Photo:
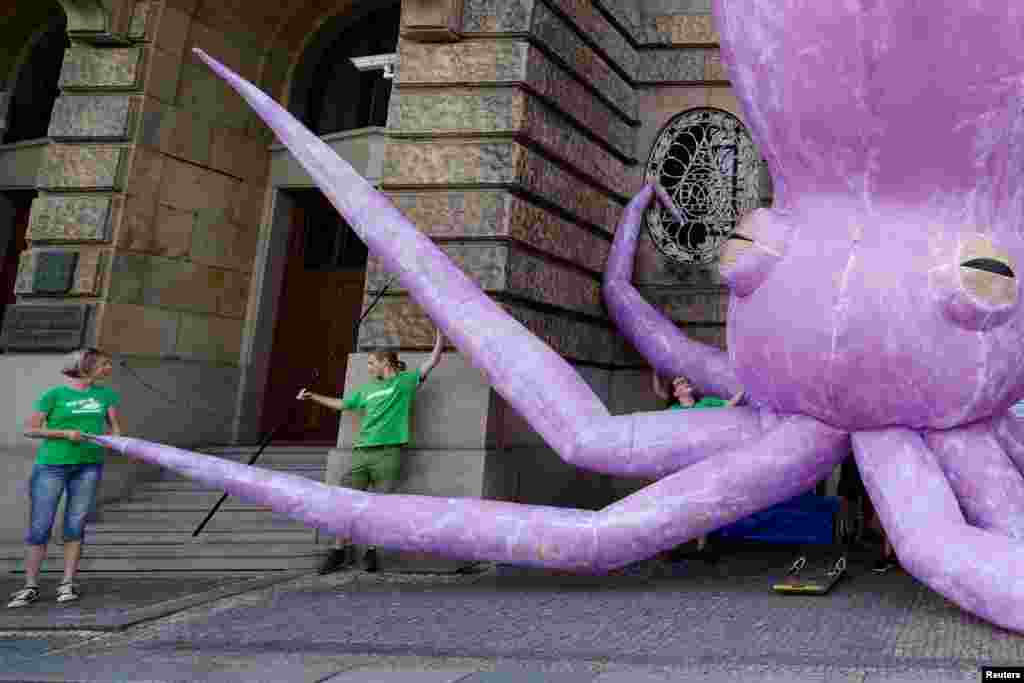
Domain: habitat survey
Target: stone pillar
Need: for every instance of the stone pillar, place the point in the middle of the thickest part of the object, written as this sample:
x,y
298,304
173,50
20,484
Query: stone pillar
x,y
82,176
518,160
148,211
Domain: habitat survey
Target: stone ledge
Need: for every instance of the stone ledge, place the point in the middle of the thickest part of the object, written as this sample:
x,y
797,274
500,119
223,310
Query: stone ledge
x,y
498,213
431,21
508,111
398,322
115,68
509,269
444,163
507,62
80,218
82,167
590,67
90,117
608,36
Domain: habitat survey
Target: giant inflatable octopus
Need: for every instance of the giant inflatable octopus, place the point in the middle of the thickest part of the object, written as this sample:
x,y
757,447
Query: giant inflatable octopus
x,y
875,306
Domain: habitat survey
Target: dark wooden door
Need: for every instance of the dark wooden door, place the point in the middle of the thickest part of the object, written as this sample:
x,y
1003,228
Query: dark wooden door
x,y
15,246
320,302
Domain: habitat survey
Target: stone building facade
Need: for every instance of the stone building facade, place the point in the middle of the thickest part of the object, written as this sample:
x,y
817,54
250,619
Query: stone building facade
x,y
157,218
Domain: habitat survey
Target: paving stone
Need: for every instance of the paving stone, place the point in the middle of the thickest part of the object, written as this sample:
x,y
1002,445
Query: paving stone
x,y
371,676
527,676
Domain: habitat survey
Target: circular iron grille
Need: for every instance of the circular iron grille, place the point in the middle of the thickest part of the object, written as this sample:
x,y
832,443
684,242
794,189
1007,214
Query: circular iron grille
x,y
706,161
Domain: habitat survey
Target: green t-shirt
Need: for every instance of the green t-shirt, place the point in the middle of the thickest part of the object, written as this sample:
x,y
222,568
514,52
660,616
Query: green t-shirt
x,y
68,408
386,405
706,402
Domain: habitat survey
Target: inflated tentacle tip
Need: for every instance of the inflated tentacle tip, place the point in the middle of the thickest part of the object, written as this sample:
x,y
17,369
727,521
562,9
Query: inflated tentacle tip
x,y
667,203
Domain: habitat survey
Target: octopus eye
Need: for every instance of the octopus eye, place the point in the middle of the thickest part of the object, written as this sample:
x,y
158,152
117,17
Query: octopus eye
x,y
986,273
751,251
985,290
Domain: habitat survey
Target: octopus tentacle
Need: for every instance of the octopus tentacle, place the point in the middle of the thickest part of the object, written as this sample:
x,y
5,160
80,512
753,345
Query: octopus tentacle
x,y
791,458
986,482
1009,430
657,339
979,570
654,444
536,381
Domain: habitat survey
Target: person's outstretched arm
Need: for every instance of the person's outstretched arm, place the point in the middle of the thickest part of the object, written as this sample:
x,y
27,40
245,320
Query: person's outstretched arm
x,y
335,403
435,356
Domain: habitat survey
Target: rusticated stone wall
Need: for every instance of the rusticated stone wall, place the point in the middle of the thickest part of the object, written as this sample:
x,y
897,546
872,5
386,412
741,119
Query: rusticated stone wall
x,y
151,192
517,146
514,149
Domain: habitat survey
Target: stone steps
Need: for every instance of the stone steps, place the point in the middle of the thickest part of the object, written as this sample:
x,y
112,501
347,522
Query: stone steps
x,y
151,531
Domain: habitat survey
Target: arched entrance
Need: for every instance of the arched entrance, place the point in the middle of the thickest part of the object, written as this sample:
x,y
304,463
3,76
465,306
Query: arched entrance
x,y
319,305
340,90
30,96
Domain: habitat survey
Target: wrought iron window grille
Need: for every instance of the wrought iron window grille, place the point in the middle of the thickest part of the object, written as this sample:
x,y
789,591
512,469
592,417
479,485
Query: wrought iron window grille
x,y
706,161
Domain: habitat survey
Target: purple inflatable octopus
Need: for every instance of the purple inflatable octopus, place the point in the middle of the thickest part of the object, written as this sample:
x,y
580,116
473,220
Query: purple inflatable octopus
x,y
877,305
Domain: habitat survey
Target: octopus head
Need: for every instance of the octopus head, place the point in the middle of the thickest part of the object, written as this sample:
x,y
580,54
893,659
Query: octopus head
x,y
883,286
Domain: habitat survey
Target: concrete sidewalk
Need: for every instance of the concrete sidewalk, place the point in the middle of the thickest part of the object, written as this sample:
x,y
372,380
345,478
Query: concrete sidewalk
x,y
707,623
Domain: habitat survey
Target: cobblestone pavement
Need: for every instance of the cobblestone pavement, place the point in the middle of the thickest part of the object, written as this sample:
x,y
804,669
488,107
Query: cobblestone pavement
x,y
705,623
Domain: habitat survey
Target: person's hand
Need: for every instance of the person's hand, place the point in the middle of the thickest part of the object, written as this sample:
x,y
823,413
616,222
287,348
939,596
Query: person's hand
x,y
73,435
304,395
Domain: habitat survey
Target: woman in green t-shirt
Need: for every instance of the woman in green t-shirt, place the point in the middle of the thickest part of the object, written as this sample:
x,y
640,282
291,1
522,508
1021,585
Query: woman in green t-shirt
x,y
63,414
385,402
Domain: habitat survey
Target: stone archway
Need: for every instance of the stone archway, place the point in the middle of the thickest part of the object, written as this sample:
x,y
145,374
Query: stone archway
x,y
29,75
297,207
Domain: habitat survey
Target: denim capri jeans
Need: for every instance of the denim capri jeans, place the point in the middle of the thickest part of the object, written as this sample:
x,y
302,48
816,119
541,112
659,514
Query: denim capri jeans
x,y
47,484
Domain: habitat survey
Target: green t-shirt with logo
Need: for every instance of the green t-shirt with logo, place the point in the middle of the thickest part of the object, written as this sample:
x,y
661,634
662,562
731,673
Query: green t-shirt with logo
x,y
69,408
706,402
386,405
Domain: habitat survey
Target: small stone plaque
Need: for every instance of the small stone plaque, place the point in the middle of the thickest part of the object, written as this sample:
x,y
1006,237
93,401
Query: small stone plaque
x,y
55,271
44,328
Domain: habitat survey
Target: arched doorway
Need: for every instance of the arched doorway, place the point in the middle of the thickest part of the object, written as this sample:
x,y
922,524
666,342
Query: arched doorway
x,y
340,90
35,88
319,305
32,92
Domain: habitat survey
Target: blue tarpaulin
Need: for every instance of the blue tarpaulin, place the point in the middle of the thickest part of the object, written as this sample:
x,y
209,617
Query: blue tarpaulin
x,y
807,518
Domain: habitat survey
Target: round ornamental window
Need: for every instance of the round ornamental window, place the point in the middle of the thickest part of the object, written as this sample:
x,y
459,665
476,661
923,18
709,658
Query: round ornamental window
x,y
706,161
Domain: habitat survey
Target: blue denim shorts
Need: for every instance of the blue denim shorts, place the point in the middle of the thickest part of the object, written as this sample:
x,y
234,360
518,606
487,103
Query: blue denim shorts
x,y
47,484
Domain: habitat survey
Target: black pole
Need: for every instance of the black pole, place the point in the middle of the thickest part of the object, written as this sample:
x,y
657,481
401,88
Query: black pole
x,y
270,437
263,445
359,323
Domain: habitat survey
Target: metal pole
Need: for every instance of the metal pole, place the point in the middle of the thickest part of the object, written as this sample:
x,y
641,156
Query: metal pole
x,y
270,437
263,445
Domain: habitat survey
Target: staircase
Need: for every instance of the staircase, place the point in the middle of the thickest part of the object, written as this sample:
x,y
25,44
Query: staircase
x,y
152,529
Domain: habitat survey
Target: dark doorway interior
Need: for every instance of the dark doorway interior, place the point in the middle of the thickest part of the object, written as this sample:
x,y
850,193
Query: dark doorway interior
x,y
14,212
343,98
35,89
320,302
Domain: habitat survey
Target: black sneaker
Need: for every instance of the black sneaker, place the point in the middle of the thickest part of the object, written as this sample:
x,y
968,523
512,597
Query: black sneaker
x,y
25,596
370,560
67,592
337,558
884,565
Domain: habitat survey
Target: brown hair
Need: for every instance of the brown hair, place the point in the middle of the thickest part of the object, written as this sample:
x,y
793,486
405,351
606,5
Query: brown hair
x,y
695,392
391,358
82,363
